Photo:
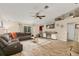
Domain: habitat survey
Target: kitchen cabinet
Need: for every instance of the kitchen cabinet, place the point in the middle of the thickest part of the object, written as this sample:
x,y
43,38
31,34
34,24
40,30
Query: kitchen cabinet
x,y
50,35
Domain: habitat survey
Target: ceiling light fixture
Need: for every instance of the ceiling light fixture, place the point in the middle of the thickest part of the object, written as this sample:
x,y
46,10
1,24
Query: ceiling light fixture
x,y
46,7
75,3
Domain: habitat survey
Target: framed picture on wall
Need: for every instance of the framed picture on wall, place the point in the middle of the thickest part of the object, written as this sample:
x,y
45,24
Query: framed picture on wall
x,y
77,26
50,26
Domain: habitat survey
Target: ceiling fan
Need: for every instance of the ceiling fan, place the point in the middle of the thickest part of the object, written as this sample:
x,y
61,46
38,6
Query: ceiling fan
x,y
39,16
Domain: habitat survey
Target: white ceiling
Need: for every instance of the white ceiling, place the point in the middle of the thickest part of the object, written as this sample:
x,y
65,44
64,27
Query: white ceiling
x,y
23,12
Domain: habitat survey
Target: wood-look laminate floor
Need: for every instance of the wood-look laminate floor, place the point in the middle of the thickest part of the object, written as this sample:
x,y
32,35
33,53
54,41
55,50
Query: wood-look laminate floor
x,y
46,47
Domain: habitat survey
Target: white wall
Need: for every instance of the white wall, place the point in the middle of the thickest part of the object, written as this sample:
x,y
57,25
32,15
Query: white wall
x,y
62,31
22,27
11,26
48,30
35,29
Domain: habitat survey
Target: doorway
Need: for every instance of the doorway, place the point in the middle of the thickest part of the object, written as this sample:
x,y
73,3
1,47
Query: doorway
x,y
70,31
40,28
40,31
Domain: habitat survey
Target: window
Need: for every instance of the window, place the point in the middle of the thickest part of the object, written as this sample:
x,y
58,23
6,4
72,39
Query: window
x,y
1,24
27,29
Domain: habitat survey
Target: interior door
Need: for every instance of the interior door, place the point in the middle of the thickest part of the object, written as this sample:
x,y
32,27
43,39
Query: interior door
x,y
71,31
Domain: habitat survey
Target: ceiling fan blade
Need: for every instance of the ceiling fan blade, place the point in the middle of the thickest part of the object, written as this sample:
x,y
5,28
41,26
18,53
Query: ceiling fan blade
x,y
43,16
40,17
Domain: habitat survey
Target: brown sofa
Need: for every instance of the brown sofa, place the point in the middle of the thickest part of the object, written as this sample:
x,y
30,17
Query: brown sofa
x,y
9,46
23,36
20,36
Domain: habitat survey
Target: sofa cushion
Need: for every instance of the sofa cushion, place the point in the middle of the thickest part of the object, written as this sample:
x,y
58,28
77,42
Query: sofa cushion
x,y
2,44
5,37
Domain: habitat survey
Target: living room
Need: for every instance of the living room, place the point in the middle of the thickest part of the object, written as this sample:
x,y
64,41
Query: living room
x,y
39,29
